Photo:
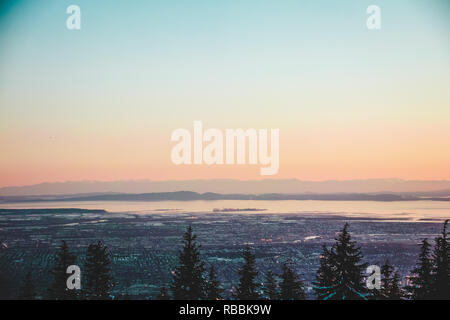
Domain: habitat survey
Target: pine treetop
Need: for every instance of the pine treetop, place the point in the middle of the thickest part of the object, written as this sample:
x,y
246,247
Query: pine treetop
x,y
421,281
341,273
98,277
441,265
270,286
188,278
62,259
292,287
248,287
213,289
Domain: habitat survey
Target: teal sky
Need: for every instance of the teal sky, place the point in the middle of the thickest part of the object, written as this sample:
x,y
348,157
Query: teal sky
x,y
147,67
214,49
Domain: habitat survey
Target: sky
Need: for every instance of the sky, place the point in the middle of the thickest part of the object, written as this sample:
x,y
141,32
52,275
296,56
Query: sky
x,y
100,103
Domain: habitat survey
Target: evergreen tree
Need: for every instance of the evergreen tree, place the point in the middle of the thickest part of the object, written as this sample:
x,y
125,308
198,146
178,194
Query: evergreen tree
x,y
348,267
441,265
341,272
390,288
396,291
213,289
26,291
163,294
292,287
270,287
188,279
325,276
421,281
63,259
248,288
98,279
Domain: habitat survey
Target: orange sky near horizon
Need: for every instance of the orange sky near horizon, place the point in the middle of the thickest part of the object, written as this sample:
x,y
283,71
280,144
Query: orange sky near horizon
x,y
306,154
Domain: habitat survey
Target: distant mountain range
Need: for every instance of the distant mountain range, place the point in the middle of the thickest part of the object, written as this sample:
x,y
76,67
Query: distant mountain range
x,y
191,196
439,188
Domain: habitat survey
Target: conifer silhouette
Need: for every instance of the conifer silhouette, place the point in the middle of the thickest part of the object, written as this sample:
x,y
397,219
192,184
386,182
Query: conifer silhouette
x,y
390,283
63,259
292,287
98,279
270,288
341,272
325,276
396,291
248,287
441,265
213,289
188,278
348,267
421,287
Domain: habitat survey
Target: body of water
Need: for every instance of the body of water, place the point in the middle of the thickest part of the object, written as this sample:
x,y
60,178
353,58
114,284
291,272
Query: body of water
x,y
396,210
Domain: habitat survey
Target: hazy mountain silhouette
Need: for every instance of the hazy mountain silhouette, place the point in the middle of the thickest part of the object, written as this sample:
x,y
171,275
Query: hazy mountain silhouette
x,y
191,196
225,186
